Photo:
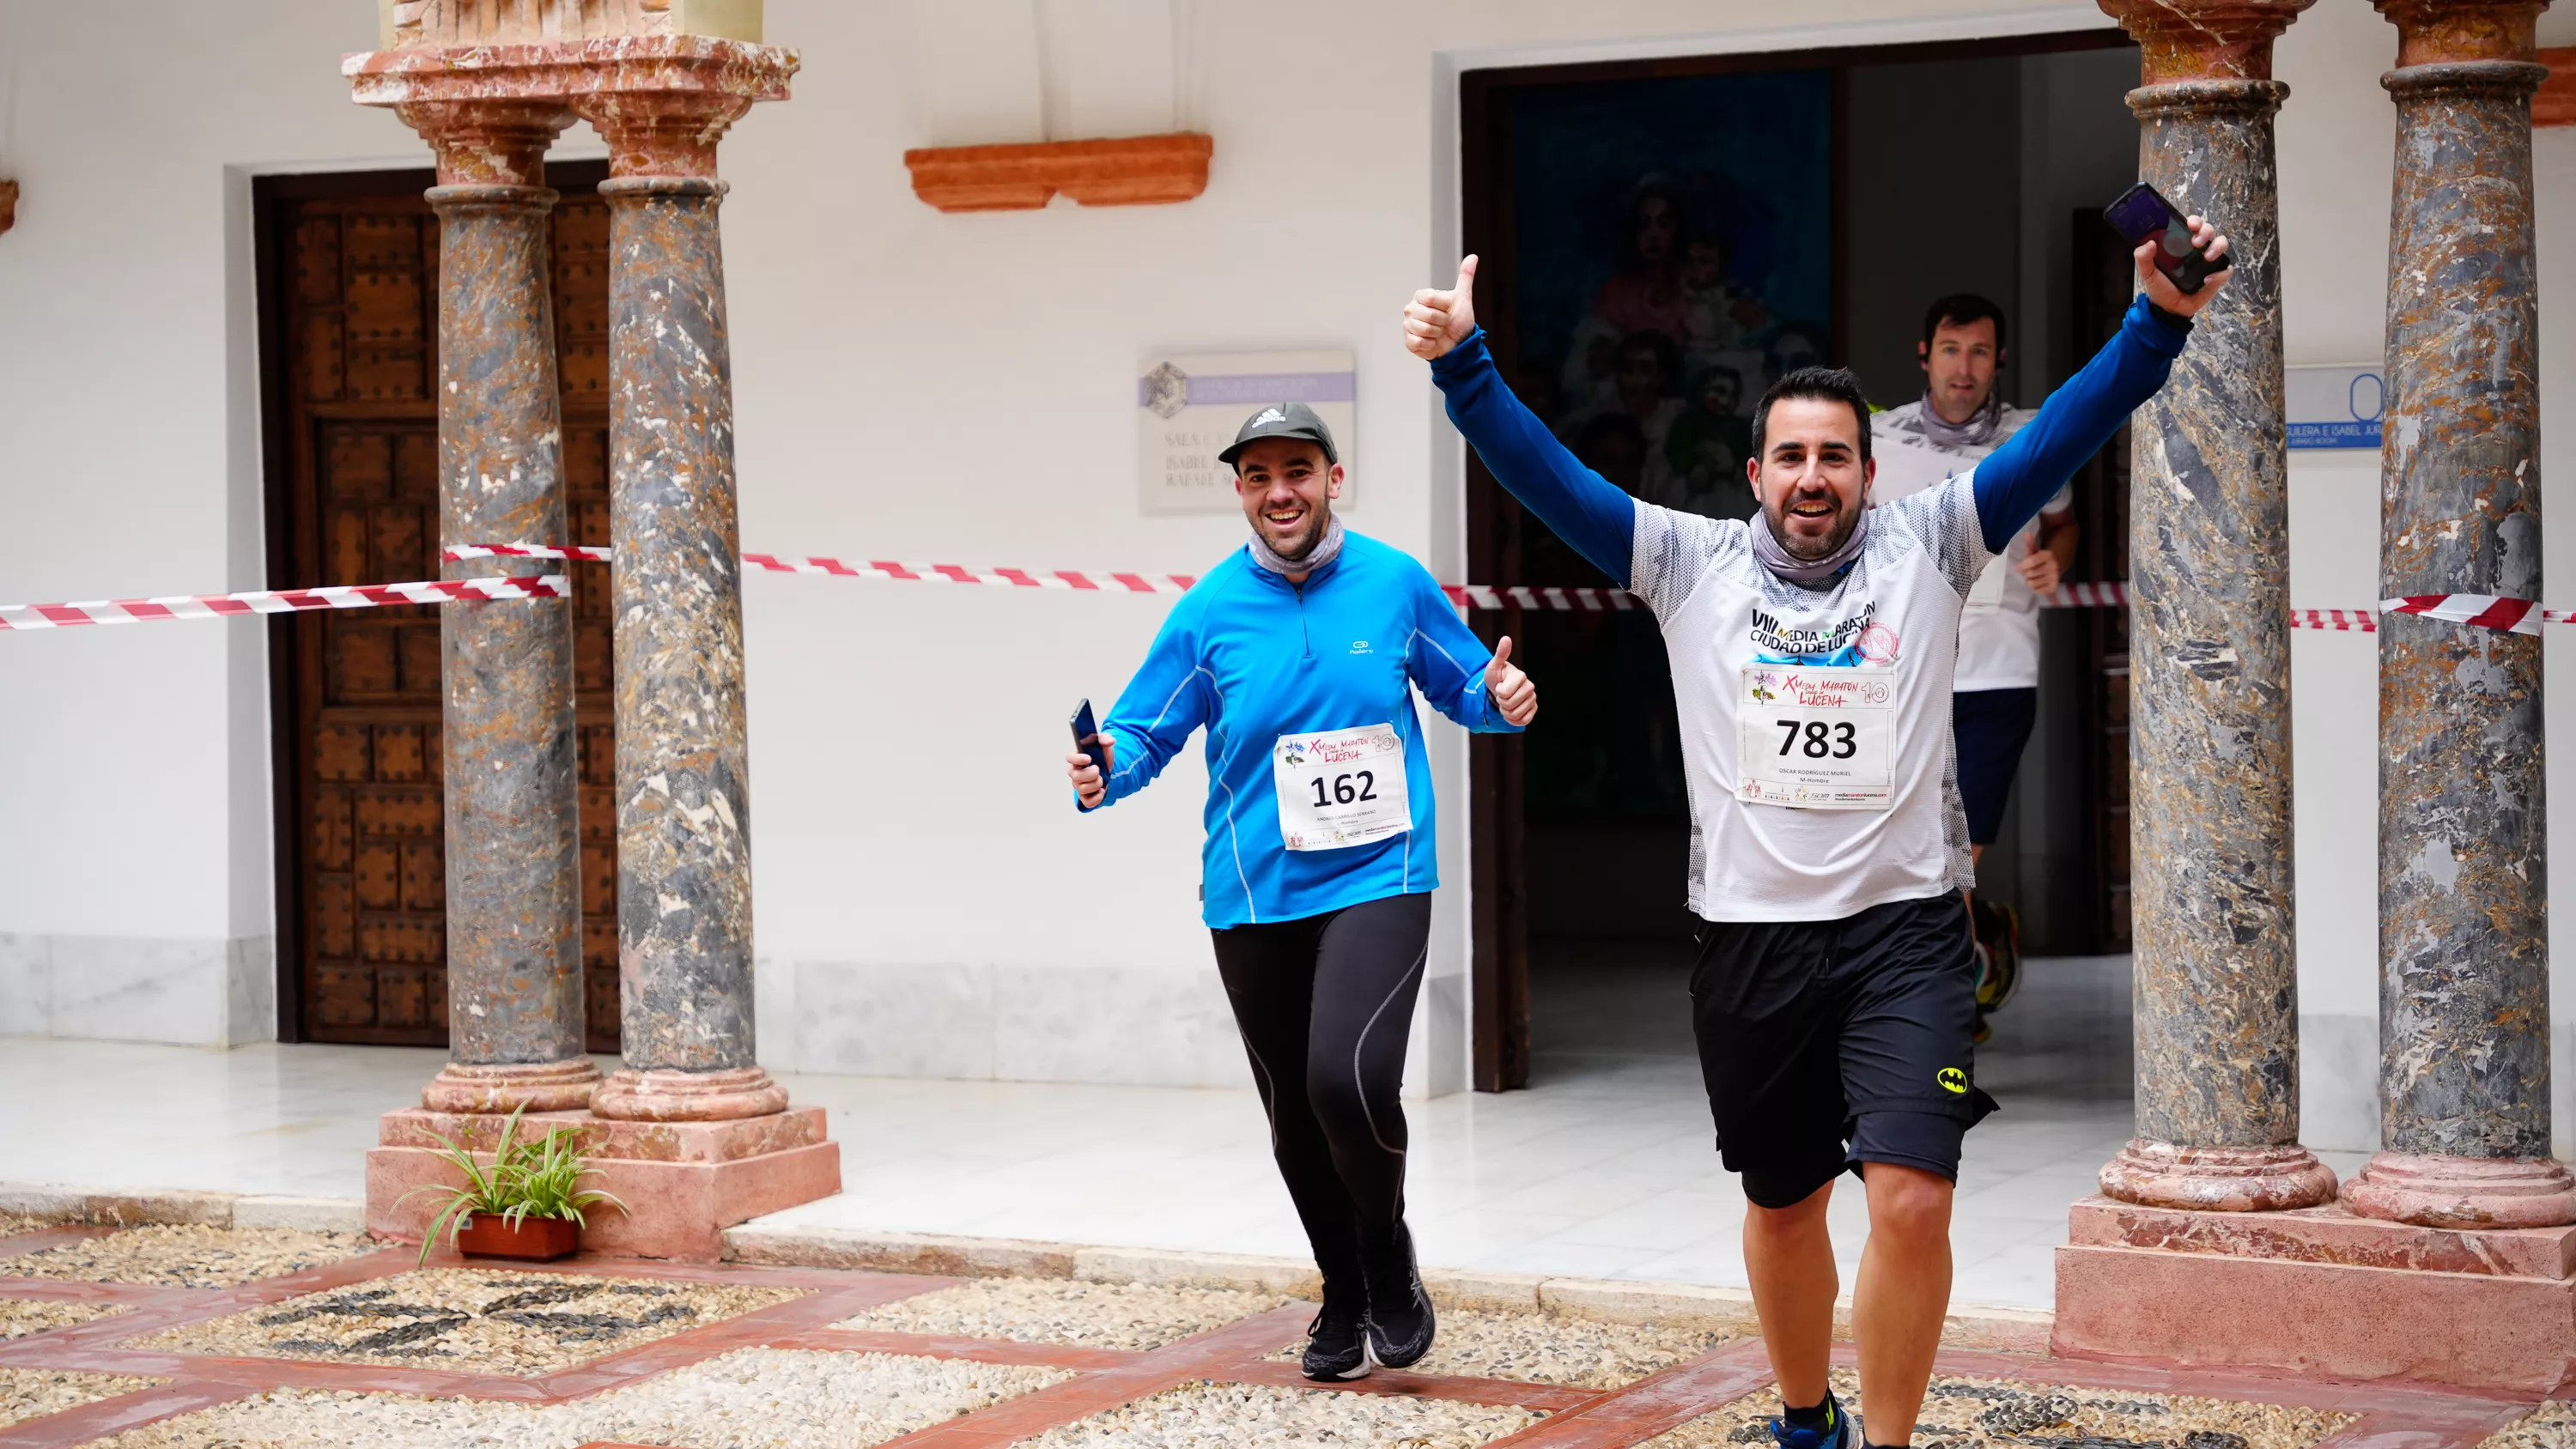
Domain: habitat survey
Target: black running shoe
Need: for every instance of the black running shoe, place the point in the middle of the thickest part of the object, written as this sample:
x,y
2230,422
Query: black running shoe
x,y
1400,1320
1337,1341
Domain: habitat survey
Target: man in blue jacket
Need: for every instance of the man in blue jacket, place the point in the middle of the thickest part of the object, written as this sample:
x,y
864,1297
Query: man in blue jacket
x,y
1299,654
1813,649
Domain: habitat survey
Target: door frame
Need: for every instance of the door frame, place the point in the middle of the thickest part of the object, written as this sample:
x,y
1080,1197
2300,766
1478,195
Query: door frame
x,y
1498,954
290,530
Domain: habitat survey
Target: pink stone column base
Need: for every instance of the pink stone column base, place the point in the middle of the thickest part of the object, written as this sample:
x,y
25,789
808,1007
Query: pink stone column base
x,y
671,1096
683,1183
538,1086
2463,1192
2218,1179
2318,1291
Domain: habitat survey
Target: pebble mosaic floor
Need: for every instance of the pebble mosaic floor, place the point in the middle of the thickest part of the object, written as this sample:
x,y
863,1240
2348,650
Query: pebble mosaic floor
x,y
207,1339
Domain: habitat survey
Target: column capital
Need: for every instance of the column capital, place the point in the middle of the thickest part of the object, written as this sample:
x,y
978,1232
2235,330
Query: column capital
x,y
2436,32
2201,40
488,142
662,133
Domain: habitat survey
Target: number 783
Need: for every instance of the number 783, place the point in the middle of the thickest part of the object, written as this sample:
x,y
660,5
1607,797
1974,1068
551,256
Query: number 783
x,y
1818,740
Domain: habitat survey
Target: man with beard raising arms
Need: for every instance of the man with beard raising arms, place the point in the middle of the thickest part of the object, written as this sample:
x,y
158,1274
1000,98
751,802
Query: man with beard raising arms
x,y
1813,647
1300,654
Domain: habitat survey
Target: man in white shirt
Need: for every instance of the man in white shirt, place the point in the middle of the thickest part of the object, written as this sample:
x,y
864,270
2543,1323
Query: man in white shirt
x,y
1814,648
1960,419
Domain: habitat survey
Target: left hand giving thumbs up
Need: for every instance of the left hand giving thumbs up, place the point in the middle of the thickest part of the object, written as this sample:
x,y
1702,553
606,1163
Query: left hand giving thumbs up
x,y
1510,689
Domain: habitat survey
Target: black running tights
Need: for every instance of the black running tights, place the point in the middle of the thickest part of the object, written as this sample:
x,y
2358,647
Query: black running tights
x,y
1325,1005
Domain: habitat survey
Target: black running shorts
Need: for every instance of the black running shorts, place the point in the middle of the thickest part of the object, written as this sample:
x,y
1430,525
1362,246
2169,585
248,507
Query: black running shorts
x,y
1827,1044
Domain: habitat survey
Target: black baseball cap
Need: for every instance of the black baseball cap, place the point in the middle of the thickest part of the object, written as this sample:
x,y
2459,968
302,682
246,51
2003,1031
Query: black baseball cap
x,y
1282,420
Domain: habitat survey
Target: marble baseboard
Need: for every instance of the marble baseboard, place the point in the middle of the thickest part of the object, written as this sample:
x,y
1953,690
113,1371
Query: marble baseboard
x,y
2338,1082
207,992
1136,1027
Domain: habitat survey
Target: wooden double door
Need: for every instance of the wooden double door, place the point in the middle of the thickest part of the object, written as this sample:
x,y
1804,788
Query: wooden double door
x,y
349,281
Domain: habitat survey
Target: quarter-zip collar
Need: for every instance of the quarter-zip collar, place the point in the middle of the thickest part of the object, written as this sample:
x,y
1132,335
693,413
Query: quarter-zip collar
x,y
1317,575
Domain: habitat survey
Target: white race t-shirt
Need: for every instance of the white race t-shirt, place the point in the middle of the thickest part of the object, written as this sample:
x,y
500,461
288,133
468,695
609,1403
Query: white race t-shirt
x,y
1999,633
1893,619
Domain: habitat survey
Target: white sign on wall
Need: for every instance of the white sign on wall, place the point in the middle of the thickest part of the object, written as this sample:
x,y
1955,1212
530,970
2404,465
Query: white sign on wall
x,y
1189,406
2334,407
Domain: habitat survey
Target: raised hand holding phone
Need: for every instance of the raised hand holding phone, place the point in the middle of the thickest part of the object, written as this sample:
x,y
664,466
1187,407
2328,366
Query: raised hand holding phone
x,y
1090,776
2180,258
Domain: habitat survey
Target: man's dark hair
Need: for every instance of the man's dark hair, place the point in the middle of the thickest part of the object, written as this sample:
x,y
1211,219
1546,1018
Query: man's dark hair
x,y
1963,309
1818,384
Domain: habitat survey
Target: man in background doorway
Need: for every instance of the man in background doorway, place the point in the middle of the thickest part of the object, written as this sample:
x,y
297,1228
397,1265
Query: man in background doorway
x,y
1961,418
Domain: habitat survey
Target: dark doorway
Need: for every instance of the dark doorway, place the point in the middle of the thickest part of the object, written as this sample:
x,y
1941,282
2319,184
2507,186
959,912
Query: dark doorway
x,y
348,269
1660,240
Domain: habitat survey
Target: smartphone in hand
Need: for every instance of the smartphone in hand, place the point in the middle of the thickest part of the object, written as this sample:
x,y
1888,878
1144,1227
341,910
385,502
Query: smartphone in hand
x,y
2142,214
1086,736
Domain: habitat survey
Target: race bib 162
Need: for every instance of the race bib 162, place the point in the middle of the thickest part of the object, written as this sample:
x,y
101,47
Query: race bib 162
x,y
1340,788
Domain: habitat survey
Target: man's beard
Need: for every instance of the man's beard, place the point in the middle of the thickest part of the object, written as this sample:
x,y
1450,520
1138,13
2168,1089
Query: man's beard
x,y
1806,550
1301,543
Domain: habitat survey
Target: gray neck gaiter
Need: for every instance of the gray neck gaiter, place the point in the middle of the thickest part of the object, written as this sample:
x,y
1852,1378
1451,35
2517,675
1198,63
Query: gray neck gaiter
x,y
1324,551
1977,432
1768,551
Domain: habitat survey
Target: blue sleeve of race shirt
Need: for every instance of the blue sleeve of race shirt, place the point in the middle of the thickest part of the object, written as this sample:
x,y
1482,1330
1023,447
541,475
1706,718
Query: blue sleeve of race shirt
x,y
1585,509
1156,713
2016,481
1446,661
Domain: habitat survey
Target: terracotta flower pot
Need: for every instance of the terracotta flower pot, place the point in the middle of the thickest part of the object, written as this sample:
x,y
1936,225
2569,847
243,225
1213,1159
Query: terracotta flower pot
x,y
536,1239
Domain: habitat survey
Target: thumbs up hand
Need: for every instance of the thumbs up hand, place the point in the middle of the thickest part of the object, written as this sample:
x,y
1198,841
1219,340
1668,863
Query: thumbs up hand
x,y
1435,321
1509,689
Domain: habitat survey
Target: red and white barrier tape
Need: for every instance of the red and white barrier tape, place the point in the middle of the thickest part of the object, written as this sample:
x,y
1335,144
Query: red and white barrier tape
x,y
2489,611
277,601
927,573
2486,610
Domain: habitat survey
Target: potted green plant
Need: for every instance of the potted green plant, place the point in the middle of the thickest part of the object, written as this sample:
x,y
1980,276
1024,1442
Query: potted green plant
x,y
527,1204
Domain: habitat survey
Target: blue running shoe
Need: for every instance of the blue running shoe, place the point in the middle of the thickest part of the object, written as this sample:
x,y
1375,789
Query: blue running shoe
x,y
1839,1430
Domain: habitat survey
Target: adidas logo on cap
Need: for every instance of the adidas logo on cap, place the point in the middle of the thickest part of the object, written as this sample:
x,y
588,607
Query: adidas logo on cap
x,y
1269,415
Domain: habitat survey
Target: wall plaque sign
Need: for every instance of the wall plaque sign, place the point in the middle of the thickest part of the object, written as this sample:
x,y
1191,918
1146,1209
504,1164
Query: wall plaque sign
x,y
1189,405
2334,407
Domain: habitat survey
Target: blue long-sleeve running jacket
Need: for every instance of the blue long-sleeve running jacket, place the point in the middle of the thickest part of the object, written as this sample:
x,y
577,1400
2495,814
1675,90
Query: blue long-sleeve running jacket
x,y
1253,657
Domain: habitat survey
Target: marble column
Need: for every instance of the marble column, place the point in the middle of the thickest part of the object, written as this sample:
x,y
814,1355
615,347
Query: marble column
x,y
683,766
2216,980
514,977
2463,843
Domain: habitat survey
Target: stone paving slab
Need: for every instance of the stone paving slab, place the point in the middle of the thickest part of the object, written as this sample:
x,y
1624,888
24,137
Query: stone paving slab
x,y
1982,1413
748,1399
1543,1349
1257,1416
185,1256
2553,1426
938,1367
1039,1310
20,1317
37,1393
473,1320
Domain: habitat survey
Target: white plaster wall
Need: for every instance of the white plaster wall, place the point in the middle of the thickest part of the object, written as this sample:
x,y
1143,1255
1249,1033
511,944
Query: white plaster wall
x,y
937,387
